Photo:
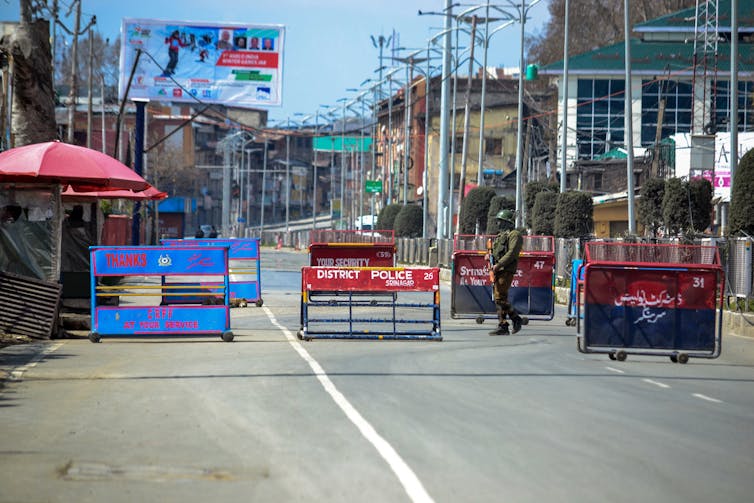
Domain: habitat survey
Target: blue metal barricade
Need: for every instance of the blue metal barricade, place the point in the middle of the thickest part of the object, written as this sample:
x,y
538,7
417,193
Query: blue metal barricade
x,y
651,299
244,269
574,292
136,310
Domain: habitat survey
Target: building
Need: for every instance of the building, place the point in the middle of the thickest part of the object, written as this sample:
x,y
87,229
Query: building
x,y
498,148
678,85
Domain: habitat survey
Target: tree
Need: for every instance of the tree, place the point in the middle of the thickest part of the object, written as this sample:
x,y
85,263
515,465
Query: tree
x,y
386,218
530,193
599,24
543,213
474,210
573,215
33,113
168,171
675,206
650,205
742,197
700,200
409,221
498,203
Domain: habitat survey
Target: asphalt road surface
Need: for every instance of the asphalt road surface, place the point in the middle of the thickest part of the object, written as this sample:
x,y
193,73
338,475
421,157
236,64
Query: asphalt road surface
x,y
524,418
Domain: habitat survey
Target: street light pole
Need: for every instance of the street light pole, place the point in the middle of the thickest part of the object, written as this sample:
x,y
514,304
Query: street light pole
x,y
287,177
264,180
466,120
485,41
520,120
564,132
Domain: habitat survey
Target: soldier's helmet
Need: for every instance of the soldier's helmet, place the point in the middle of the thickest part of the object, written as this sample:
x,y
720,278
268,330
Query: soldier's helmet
x,y
506,215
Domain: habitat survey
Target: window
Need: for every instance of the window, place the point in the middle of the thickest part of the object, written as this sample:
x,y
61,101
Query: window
x,y
745,105
458,144
493,146
677,116
597,181
599,117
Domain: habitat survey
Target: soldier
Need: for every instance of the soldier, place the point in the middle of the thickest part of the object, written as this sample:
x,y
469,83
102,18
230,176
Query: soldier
x,y
505,251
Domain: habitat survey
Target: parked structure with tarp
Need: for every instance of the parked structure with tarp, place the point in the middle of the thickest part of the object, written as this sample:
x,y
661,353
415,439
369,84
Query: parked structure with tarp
x,y
651,299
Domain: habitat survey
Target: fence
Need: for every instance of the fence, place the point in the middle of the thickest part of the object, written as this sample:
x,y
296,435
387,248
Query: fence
x,y
736,256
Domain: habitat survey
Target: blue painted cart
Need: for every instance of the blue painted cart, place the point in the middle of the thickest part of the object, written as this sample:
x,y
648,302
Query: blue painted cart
x,y
142,269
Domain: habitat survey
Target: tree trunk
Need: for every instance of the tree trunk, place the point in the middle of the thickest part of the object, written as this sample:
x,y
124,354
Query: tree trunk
x,y
33,115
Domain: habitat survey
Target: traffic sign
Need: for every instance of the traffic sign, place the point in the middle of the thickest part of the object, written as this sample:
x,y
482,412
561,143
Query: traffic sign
x,y
373,186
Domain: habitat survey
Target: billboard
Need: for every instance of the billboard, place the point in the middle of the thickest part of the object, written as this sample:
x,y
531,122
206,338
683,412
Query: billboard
x,y
718,173
238,65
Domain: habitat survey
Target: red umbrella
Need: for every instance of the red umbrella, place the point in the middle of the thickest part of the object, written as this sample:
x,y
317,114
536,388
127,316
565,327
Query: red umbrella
x,y
63,163
150,193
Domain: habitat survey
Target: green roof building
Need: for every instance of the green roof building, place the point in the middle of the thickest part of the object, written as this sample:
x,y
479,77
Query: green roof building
x,y
679,84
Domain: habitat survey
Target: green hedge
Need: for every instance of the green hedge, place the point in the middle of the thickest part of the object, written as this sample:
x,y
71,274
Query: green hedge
x,y
742,197
409,222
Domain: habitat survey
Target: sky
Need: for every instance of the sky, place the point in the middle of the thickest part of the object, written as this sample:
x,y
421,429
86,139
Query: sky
x,y
328,48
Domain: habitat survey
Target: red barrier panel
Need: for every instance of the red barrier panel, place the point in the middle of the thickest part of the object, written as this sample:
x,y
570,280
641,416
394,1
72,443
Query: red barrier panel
x,y
652,300
531,292
370,280
370,303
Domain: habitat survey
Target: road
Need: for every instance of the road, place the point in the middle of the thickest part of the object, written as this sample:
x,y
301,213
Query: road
x,y
524,418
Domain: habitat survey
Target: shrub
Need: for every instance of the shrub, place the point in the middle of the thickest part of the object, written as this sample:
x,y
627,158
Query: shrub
x,y
530,194
650,205
386,218
498,203
675,206
409,222
543,213
700,199
474,210
573,215
742,197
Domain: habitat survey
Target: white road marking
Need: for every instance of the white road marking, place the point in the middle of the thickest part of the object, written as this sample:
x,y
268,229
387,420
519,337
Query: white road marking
x,y
17,373
611,369
656,383
708,398
411,483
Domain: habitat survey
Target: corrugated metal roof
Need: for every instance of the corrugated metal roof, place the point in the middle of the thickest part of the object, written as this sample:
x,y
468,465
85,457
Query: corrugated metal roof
x,y
651,58
683,20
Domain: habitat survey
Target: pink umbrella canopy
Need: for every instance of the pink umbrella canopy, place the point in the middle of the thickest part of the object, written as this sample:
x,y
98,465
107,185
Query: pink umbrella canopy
x,y
63,163
150,193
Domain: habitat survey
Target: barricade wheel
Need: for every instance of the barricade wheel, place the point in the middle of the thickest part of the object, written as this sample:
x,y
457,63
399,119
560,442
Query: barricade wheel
x,y
480,320
611,355
620,356
260,302
674,358
243,303
228,336
570,322
300,335
94,337
683,358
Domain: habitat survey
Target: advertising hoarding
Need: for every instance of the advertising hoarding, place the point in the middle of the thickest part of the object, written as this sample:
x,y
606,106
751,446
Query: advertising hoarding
x,y
232,64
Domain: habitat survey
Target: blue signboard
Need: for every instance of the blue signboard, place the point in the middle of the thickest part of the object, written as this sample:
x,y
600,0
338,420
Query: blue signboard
x,y
239,248
184,320
146,260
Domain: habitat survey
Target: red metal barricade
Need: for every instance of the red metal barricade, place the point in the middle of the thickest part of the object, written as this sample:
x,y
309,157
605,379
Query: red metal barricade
x,y
406,313
531,293
652,299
